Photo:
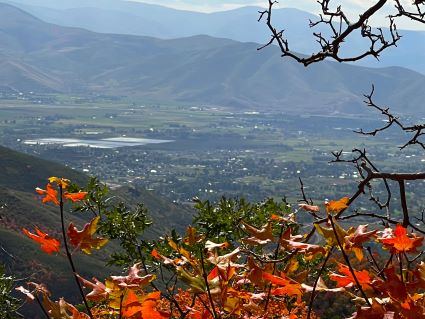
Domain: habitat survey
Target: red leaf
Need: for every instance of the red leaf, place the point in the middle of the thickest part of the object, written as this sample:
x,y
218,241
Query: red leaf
x,y
149,307
400,242
48,244
288,286
142,307
75,197
50,194
84,238
347,279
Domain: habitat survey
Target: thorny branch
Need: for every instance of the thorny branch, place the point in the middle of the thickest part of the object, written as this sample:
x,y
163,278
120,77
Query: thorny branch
x,y
340,28
417,130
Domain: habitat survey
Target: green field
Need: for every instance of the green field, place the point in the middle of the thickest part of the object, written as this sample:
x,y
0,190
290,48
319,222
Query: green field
x,y
215,151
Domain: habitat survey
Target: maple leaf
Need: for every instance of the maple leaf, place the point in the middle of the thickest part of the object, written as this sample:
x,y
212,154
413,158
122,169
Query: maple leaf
x,y
329,234
75,197
309,208
84,238
359,236
133,280
400,242
347,280
142,307
61,182
260,236
393,286
186,254
192,237
336,206
356,238
50,194
75,314
304,248
196,282
48,244
287,287
99,291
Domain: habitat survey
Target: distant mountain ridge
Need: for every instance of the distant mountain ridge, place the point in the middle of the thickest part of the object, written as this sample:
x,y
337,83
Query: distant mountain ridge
x,y
37,56
136,18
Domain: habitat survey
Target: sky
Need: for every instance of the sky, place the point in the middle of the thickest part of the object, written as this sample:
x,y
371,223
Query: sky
x,y
352,7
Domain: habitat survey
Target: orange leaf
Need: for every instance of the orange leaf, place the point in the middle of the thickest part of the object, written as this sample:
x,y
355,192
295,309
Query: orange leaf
x,y
149,304
75,197
84,238
51,195
337,206
48,244
347,279
142,307
155,254
213,274
400,242
264,233
131,305
289,219
288,286
191,236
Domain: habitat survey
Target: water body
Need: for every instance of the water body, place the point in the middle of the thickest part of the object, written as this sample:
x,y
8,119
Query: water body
x,y
113,142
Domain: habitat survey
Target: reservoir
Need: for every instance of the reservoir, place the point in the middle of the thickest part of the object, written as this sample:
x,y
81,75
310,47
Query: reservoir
x,y
113,142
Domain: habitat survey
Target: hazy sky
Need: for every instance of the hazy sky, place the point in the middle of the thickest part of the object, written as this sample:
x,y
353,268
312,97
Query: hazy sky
x,y
353,7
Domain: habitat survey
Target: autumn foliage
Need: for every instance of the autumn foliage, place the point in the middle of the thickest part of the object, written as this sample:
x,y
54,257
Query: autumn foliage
x,y
268,269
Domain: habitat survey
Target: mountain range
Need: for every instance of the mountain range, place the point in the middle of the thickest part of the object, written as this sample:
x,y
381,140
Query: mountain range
x,y
38,56
136,18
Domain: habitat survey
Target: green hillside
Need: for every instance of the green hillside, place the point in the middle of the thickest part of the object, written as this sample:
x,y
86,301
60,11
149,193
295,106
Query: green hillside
x,y
24,172
21,207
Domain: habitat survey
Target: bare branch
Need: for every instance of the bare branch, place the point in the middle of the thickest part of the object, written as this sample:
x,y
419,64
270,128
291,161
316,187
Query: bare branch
x,y
340,29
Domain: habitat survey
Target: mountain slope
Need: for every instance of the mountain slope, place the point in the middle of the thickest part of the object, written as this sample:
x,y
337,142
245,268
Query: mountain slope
x,y
198,69
20,207
241,24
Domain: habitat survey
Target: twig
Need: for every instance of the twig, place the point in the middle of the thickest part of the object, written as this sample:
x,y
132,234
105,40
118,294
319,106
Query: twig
x,y
348,262
204,275
312,297
69,256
